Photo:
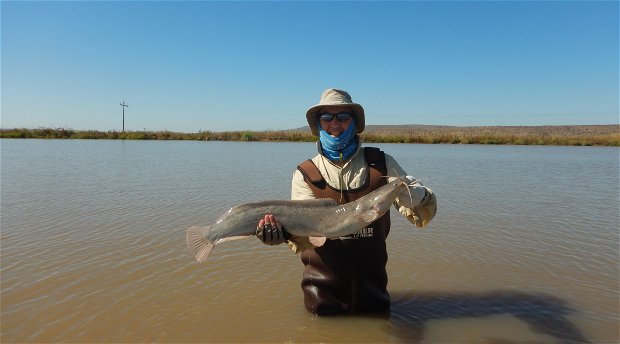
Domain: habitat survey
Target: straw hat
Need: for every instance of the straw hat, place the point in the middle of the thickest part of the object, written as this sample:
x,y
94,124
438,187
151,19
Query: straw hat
x,y
334,97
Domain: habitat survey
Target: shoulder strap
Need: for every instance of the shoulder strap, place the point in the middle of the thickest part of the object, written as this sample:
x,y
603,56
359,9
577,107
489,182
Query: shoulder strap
x,y
310,172
376,158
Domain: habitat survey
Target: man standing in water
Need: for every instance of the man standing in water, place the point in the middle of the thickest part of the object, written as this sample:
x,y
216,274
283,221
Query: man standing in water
x,y
347,274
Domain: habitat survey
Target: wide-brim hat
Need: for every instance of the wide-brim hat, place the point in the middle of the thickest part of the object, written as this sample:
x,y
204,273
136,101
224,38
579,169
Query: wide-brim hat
x,y
334,97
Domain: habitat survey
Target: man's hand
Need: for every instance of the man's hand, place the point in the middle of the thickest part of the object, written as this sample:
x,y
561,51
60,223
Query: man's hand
x,y
270,231
415,195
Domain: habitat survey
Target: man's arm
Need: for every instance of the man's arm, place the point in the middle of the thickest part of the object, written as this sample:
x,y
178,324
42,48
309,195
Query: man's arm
x,y
418,204
299,187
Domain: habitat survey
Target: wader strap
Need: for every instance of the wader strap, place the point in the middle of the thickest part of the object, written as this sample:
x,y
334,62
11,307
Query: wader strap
x,y
376,159
310,172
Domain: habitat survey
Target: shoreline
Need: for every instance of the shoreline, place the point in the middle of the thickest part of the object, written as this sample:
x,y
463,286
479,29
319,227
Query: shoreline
x,y
564,135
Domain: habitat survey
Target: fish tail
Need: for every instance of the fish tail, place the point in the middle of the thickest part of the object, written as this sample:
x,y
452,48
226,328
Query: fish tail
x,y
196,243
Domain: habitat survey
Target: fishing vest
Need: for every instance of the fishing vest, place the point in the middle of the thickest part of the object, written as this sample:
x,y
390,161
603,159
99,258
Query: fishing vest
x,y
348,275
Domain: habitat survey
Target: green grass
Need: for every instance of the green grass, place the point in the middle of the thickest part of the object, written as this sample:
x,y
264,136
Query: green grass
x,y
560,136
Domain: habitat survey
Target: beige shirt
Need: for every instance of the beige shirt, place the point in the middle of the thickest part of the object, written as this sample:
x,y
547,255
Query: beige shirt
x,y
352,174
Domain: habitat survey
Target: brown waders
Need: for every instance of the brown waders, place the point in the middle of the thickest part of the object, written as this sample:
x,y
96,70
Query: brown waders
x,y
348,275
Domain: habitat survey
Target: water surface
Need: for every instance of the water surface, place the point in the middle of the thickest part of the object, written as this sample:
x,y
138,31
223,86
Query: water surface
x,y
524,248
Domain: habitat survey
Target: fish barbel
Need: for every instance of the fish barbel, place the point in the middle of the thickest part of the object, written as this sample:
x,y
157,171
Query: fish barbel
x,y
317,219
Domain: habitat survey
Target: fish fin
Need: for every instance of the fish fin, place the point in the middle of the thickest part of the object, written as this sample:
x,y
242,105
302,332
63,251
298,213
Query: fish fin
x,y
197,245
317,241
300,244
370,216
302,203
233,238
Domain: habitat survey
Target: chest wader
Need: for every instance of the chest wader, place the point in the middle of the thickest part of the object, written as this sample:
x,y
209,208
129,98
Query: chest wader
x,y
348,275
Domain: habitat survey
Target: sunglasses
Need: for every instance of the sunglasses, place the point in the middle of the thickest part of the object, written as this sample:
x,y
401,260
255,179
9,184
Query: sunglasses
x,y
340,116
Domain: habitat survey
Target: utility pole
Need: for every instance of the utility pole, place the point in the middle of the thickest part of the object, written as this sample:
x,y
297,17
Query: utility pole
x,y
124,106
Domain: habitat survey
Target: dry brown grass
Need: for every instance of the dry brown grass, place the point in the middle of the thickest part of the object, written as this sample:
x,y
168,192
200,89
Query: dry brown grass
x,y
583,135
567,135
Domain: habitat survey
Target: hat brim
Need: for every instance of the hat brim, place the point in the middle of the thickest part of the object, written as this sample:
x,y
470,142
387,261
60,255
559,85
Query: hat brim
x,y
358,114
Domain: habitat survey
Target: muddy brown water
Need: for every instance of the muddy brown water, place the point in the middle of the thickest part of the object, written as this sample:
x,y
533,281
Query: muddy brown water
x,y
525,246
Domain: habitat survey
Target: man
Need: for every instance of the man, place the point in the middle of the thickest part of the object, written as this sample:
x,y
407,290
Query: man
x,y
347,274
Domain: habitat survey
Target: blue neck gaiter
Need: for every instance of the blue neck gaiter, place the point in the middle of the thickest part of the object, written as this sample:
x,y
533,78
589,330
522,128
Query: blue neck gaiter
x,y
345,143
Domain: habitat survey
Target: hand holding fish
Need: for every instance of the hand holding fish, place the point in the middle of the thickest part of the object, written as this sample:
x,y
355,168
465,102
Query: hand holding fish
x,y
270,231
413,196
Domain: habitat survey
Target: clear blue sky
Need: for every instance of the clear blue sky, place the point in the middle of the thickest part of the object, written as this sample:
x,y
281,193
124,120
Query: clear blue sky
x,y
189,66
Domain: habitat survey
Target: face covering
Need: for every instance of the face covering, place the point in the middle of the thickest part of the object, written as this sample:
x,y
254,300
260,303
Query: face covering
x,y
341,147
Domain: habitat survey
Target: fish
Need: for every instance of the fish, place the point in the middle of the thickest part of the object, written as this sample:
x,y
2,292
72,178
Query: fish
x,y
317,219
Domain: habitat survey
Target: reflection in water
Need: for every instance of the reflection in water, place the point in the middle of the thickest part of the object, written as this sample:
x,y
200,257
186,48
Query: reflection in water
x,y
543,313
455,317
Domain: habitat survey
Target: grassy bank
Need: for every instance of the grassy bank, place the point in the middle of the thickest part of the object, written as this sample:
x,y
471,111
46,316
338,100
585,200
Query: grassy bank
x,y
49,133
595,135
